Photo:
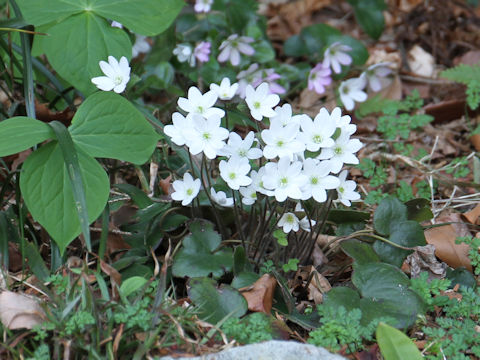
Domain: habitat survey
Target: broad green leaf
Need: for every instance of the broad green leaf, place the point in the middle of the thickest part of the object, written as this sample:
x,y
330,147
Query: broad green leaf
x,y
20,133
264,52
132,284
369,15
107,125
342,296
76,46
145,17
48,194
462,277
419,210
405,233
40,12
395,345
376,279
359,251
339,216
216,304
388,211
198,257
244,279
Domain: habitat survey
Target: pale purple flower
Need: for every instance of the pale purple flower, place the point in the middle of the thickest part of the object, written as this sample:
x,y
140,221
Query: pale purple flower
x,y
376,75
248,77
203,6
269,76
231,48
352,90
202,51
116,24
184,52
336,55
141,46
319,78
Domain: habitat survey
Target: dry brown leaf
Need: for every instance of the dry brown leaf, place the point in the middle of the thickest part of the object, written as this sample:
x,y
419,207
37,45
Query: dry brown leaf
x,y
475,140
18,311
165,184
443,238
317,287
421,62
259,296
473,215
424,259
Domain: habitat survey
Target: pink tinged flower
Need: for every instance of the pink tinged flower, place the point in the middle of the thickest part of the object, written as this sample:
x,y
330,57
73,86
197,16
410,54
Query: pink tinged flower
x,y
206,136
289,222
234,172
352,90
141,46
285,179
236,147
341,153
225,91
177,130
202,51
346,189
203,6
269,76
260,102
319,180
248,77
319,78
221,198
318,133
185,190
235,45
281,141
196,103
117,75
377,76
336,55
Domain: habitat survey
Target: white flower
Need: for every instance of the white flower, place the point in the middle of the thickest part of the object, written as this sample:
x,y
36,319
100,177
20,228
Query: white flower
x,y
341,153
283,114
185,190
346,190
184,52
281,140
305,224
342,122
236,147
225,91
317,133
203,5
257,182
116,24
260,102
289,222
117,75
221,198
248,77
285,179
318,180
206,135
351,90
177,130
141,45
249,194
200,104
234,172
231,48
376,75
335,55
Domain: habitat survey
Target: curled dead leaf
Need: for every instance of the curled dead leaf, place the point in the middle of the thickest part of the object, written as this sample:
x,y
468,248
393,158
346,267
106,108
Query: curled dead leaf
x,y
259,296
19,311
473,216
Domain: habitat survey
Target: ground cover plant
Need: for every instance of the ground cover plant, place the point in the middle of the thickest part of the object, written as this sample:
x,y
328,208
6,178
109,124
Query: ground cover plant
x,y
177,178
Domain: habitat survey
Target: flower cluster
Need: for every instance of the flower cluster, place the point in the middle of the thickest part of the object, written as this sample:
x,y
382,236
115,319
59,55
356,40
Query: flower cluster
x,y
293,159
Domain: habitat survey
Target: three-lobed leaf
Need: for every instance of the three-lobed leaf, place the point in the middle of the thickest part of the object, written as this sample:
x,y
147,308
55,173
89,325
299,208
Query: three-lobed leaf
x,y
108,126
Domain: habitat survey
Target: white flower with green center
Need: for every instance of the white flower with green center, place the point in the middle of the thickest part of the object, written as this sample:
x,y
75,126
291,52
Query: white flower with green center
x,y
221,198
176,131
285,179
196,103
289,222
342,121
319,180
206,135
283,114
185,190
281,140
117,75
236,147
260,101
257,182
234,172
342,152
249,194
346,189
184,53
352,90
225,91
377,76
317,133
